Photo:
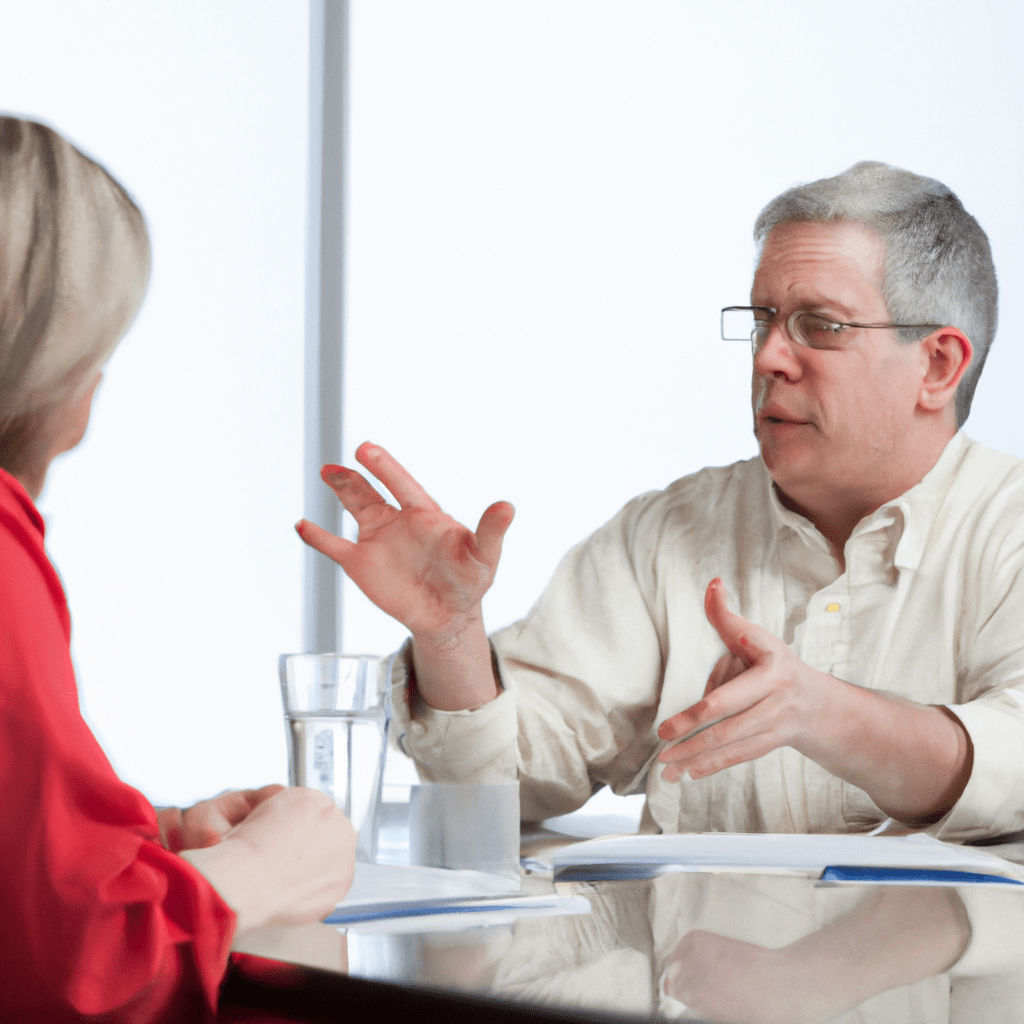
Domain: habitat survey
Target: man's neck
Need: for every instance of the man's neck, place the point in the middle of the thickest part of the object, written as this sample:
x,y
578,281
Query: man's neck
x,y
836,516
836,529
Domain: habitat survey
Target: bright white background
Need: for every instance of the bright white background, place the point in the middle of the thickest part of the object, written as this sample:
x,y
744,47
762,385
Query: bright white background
x,y
550,201
172,524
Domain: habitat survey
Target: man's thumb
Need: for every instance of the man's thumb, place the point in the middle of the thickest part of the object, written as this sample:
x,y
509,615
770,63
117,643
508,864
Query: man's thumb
x,y
735,631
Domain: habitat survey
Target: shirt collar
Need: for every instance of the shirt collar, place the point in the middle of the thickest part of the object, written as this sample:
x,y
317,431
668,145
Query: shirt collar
x,y
909,517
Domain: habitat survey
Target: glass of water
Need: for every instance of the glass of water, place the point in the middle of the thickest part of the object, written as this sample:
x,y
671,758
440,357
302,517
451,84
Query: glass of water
x,y
335,709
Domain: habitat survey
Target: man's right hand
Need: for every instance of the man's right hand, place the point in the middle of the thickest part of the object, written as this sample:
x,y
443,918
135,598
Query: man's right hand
x,y
424,569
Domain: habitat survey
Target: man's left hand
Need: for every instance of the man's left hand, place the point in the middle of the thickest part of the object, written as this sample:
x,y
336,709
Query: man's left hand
x,y
913,760
772,699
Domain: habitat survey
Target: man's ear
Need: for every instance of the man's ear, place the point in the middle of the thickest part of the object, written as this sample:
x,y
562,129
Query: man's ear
x,y
948,353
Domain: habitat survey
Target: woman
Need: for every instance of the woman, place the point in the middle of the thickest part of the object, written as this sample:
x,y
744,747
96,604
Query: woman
x,y
109,908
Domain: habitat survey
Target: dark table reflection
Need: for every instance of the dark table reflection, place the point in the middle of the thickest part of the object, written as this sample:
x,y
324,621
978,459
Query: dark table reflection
x,y
715,947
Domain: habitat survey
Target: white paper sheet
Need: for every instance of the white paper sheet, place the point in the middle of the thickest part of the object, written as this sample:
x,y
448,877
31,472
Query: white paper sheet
x,y
393,898
806,855
388,883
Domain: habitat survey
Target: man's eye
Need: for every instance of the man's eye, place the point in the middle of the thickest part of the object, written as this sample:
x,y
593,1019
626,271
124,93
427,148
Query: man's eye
x,y
819,332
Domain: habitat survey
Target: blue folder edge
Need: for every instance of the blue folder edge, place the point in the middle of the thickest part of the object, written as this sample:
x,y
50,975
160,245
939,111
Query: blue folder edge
x,y
610,872
378,912
911,876
835,874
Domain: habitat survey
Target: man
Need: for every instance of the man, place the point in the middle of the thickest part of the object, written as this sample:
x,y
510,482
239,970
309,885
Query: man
x,y
873,665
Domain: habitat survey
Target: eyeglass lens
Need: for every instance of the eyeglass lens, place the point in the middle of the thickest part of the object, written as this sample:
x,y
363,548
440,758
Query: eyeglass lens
x,y
804,327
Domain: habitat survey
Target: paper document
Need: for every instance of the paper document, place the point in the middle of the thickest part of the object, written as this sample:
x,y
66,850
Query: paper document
x,y
388,883
915,859
435,899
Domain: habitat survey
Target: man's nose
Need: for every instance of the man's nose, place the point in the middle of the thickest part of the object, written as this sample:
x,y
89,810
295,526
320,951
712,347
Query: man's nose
x,y
778,356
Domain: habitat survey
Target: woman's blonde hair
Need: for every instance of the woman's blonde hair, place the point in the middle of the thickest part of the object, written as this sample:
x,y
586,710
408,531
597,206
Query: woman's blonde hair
x,y
74,265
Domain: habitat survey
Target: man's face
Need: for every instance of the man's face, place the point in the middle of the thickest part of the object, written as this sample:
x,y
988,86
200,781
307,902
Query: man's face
x,y
834,425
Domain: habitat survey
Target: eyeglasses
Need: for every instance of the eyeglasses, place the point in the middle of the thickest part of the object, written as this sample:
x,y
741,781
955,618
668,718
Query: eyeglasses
x,y
805,327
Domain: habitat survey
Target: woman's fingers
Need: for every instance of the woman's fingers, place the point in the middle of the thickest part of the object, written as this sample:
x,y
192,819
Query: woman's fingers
x,y
236,805
257,796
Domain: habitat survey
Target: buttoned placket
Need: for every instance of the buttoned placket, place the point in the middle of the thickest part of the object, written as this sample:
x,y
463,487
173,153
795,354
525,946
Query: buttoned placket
x,y
822,599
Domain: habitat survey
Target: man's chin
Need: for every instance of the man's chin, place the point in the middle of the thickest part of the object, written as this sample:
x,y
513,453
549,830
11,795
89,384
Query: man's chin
x,y
786,466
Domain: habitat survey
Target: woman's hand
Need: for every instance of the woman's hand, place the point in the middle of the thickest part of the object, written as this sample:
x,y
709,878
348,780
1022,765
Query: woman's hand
x,y
288,862
207,822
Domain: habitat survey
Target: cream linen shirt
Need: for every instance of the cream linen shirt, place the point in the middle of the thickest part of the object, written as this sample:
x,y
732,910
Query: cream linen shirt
x,y
930,607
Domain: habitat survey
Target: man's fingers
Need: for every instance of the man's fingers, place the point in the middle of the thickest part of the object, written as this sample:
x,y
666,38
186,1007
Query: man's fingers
x,y
491,531
743,737
744,691
394,476
726,668
749,749
336,548
354,491
744,720
719,733
743,638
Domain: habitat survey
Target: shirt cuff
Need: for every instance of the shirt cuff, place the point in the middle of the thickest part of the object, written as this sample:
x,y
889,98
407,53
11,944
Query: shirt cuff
x,y
453,746
990,803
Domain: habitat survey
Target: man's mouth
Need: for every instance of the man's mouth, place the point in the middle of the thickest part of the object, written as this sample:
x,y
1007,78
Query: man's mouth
x,y
776,415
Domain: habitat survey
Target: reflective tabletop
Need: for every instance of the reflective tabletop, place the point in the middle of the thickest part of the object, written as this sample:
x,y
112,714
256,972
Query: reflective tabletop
x,y
693,946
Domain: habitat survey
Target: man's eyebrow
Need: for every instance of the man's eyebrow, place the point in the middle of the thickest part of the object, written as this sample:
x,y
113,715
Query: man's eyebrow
x,y
829,307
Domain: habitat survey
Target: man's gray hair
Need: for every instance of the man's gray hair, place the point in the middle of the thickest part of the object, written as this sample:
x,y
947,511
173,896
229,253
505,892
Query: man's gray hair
x,y
938,264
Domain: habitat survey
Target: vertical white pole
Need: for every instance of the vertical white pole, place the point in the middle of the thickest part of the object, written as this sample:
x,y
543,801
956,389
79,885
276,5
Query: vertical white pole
x,y
325,275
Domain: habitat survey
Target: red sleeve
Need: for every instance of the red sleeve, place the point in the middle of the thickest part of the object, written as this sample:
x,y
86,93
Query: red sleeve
x,y
97,917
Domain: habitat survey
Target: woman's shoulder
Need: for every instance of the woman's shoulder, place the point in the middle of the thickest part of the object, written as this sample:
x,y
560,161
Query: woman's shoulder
x,y
31,593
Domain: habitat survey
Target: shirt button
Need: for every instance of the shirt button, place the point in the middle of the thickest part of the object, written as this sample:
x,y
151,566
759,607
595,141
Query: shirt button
x,y
833,607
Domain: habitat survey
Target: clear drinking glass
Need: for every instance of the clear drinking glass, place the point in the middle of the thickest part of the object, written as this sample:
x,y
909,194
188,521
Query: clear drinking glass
x,y
336,722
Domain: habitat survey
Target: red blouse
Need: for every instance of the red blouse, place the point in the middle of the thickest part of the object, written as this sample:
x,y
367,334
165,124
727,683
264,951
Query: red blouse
x,y
96,917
